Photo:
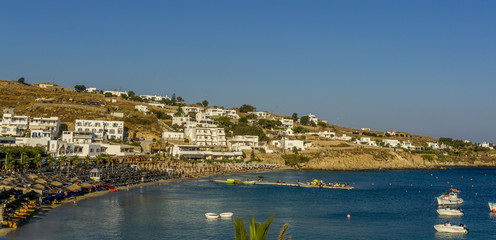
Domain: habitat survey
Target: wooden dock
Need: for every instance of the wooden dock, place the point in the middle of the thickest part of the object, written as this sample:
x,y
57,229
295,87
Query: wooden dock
x,y
287,184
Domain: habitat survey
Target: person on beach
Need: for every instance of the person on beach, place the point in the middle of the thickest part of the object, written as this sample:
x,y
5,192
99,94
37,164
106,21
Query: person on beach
x,y
75,201
127,187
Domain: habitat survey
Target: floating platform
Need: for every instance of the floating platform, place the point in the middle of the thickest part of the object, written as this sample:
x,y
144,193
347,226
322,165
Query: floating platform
x,y
288,184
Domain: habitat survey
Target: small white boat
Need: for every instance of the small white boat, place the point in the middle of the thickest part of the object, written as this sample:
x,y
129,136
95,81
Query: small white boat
x,y
492,206
211,216
448,228
450,212
450,199
226,215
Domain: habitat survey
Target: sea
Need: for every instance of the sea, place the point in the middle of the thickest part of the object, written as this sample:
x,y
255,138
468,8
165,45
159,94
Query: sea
x,y
383,205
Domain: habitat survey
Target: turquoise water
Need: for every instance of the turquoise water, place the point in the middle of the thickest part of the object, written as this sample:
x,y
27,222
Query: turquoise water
x,y
384,205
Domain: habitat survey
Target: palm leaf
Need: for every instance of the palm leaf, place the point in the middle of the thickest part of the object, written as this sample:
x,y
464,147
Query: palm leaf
x,y
283,232
239,230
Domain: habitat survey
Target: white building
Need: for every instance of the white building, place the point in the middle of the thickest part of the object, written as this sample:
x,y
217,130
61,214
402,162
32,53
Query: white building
x,y
62,148
326,134
408,145
13,125
116,93
485,145
173,135
366,141
390,133
184,121
91,90
290,144
187,109
232,114
142,108
102,129
154,98
391,142
205,120
313,118
215,112
202,152
260,114
288,131
42,127
206,136
344,138
78,137
31,142
287,122
243,142
433,145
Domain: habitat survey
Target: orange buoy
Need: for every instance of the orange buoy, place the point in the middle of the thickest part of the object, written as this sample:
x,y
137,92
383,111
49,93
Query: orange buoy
x,y
436,177
348,216
462,176
447,182
494,210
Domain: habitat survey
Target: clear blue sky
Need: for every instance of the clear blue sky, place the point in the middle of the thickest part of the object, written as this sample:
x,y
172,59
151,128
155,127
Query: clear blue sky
x,y
426,67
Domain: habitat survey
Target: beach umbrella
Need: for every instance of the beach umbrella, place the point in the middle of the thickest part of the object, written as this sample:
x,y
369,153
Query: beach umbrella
x,y
86,185
41,180
38,186
56,184
73,188
32,176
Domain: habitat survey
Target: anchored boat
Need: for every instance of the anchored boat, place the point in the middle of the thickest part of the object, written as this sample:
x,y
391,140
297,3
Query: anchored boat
x,y
450,212
211,216
450,199
226,215
448,228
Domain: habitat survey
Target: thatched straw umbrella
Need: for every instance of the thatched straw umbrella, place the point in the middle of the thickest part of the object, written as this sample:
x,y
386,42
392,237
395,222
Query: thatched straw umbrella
x,y
41,180
56,184
86,185
33,176
38,186
73,188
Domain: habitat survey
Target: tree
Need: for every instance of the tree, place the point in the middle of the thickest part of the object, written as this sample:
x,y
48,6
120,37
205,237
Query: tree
x,y
74,161
80,88
131,94
179,112
246,108
180,99
295,117
205,103
20,80
243,120
258,231
300,129
322,124
37,161
173,97
49,161
62,161
305,120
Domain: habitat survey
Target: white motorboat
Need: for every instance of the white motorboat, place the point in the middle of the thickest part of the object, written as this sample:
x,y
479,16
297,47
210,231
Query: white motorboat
x,y
226,215
450,199
492,206
450,212
211,216
448,228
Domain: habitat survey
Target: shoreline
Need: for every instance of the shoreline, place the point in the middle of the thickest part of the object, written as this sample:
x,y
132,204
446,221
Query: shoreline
x,y
44,208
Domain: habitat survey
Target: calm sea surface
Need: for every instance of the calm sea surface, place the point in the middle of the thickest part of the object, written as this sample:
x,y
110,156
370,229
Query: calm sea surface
x,y
384,205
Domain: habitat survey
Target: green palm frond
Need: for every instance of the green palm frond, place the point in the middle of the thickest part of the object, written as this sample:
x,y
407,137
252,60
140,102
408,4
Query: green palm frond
x,y
283,232
239,230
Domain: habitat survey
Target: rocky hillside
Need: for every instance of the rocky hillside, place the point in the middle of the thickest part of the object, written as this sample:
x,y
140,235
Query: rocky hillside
x,y
34,101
